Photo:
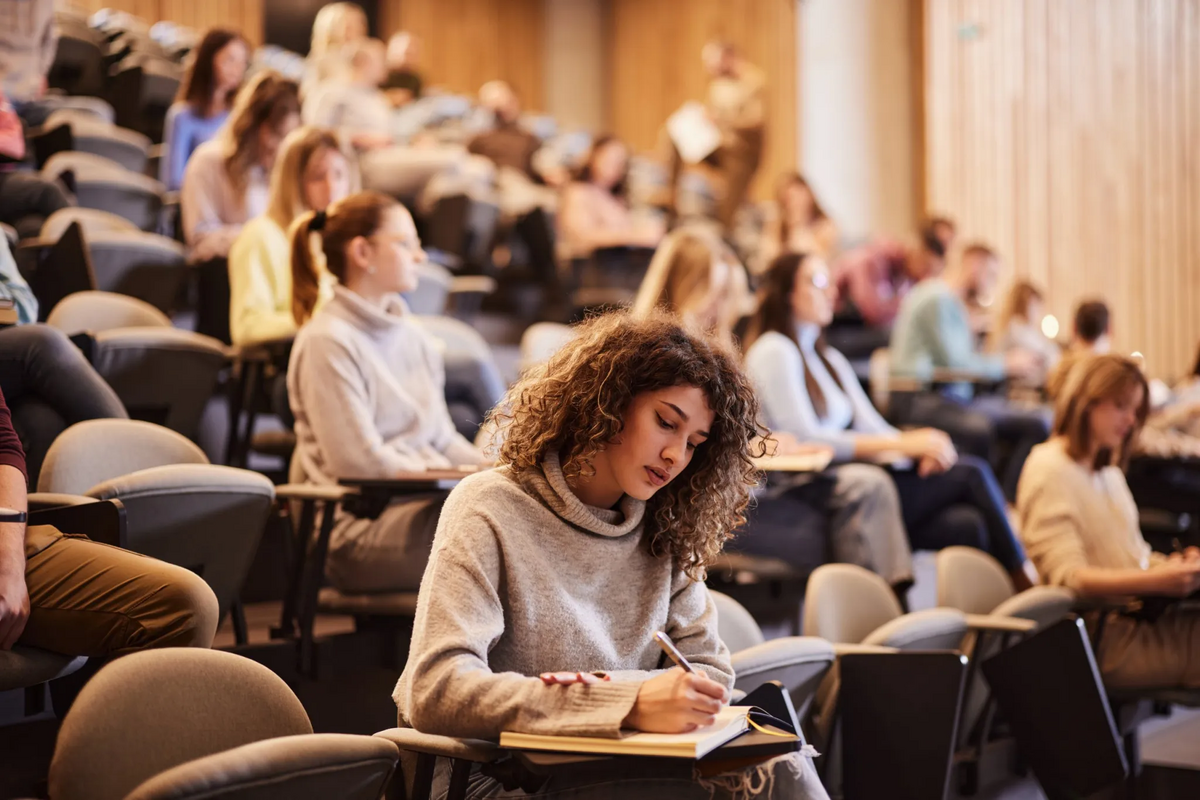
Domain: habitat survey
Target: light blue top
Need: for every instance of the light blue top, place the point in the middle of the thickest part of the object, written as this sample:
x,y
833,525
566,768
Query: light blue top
x,y
13,287
184,131
776,368
933,331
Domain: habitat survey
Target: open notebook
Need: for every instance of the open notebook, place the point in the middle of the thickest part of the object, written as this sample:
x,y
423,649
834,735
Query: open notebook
x,y
731,722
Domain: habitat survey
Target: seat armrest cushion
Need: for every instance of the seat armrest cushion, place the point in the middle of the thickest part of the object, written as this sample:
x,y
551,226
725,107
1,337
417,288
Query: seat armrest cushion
x,y
410,740
987,622
308,491
784,652
849,648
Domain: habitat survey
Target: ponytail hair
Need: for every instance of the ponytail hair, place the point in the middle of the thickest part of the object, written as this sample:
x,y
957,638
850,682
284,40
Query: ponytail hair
x,y
358,215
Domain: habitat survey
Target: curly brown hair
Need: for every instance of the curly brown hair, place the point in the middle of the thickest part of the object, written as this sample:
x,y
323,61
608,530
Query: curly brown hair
x,y
575,403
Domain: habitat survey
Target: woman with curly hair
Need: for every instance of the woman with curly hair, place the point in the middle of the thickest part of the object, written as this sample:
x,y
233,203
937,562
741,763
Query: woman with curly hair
x,y
626,463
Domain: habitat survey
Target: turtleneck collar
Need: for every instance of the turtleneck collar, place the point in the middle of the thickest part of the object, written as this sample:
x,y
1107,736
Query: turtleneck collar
x,y
550,486
368,316
807,334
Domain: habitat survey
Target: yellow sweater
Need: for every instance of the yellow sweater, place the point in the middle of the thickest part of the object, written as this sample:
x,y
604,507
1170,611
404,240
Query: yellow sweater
x,y
260,284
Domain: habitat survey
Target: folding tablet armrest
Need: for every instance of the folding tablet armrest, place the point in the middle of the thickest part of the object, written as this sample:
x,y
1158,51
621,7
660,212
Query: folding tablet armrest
x,y
472,284
849,648
100,520
306,491
477,751
987,622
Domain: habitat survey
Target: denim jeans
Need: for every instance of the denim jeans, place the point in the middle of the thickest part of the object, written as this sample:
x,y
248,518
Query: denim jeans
x,y
49,385
961,506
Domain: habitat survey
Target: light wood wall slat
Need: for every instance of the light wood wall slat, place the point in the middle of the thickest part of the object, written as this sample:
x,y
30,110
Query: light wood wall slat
x,y
243,15
1064,134
655,67
465,43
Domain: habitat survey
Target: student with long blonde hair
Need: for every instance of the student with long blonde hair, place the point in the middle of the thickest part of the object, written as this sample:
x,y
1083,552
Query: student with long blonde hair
x,y
1080,524
366,385
311,173
626,464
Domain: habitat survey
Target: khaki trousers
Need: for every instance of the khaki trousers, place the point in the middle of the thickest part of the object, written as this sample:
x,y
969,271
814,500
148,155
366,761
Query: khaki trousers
x,y
1164,653
92,599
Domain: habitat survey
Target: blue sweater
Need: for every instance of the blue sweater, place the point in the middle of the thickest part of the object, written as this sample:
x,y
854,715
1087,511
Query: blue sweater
x,y
933,330
184,131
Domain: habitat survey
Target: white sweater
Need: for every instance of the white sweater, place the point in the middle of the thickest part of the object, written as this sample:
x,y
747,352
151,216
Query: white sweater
x,y
213,210
367,387
1072,517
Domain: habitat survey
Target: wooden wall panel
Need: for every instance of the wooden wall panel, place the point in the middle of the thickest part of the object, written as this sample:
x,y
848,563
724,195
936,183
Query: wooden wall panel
x,y
1065,135
243,15
655,67
466,43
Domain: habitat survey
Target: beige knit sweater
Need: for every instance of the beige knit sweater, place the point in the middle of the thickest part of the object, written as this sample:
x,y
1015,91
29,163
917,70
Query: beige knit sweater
x,y
1072,516
524,579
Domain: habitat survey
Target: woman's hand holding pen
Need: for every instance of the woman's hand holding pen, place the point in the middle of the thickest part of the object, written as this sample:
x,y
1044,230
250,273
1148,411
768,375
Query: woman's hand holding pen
x,y
676,702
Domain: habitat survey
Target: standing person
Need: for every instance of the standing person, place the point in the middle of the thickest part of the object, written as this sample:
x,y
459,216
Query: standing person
x,y
809,390
367,386
737,106
205,98
1080,523
626,464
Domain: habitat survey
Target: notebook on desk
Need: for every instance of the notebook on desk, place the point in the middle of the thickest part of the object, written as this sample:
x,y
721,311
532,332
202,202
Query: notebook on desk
x,y
731,723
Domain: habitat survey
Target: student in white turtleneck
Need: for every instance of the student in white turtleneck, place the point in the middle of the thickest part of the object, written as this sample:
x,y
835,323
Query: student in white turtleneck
x,y
809,390
367,386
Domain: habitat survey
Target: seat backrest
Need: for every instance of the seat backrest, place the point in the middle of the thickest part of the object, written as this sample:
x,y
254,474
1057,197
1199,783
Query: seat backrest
x,y
542,340
205,518
97,450
85,166
156,709
145,265
971,580
738,630
307,767
432,290
102,311
845,602
1045,605
163,375
94,221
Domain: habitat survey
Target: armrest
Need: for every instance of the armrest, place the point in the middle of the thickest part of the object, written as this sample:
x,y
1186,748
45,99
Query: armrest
x,y
807,462
848,648
784,652
412,741
986,622
40,501
100,520
472,284
306,491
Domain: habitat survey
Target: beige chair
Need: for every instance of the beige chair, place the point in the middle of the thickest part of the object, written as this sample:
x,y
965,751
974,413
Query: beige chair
x,y
90,134
974,582
179,508
105,184
93,220
161,373
799,663
857,611
186,723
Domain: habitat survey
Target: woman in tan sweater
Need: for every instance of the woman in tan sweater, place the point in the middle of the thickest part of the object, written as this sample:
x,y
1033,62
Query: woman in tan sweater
x,y
1080,525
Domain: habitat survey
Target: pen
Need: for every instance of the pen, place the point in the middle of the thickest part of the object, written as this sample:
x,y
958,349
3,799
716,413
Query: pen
x,y
671,650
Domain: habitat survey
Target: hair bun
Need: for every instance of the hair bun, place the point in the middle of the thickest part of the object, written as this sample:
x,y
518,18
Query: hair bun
x,y
318,221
